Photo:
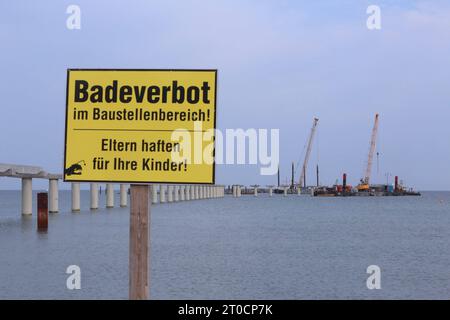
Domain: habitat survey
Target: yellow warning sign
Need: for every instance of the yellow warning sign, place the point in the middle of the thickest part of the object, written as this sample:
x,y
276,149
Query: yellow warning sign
x,y
140,126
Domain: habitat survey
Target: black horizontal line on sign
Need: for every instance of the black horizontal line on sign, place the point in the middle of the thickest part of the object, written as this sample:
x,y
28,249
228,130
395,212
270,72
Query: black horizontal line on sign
x,y
139,130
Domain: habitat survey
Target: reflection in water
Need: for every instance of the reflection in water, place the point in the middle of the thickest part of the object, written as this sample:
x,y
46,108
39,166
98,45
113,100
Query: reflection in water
x,y
26,223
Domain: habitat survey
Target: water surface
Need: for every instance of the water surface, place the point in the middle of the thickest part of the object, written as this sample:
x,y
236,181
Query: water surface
x,y
247,248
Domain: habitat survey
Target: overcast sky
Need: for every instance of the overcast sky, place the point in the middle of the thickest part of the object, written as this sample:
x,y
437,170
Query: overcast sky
x,y
280,64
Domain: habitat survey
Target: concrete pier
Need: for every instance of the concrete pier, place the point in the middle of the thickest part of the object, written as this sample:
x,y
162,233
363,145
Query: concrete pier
x,y
285,191
196,192
162,193
182,193
299,191
26,173
187,190
109,195
123,195
270,191
192,188
255,191
94,196
239,192
154,193
170,193
75,197
27,196
176,194
53,196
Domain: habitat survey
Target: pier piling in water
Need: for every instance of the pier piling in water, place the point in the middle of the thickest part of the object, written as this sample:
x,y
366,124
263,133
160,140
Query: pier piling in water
x,y
123,195
177,193
53,206
109,195
155,193
162,193
193,192
187,191
169,193
42,211
94,196
182,193
27,196
75,196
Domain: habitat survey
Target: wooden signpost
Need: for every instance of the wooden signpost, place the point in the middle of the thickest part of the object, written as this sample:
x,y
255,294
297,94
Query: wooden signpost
x,y
139,236
121,126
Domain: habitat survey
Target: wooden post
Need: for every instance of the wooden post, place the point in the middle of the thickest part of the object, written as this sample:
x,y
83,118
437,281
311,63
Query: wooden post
x,y
139,237
42,211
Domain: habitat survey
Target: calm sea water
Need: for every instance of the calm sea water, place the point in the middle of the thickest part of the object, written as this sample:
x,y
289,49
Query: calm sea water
x,y
246,248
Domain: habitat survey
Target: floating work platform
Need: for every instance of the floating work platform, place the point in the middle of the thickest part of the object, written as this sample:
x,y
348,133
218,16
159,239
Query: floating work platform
x,y
335,192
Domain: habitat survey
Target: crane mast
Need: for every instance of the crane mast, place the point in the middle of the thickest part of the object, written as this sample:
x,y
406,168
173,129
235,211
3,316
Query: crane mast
x,y
308,152
365,181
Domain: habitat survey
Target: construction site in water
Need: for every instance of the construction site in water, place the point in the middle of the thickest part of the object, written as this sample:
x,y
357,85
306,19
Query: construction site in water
x,y
364,188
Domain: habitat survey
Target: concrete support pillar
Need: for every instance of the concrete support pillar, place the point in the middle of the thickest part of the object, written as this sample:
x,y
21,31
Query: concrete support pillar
x,y
162,193
182,193
154,193
169,193
270,191
234,189
53,196
285,191
109,195
187,190
299,191
255,191
196,192
239,191
123,195
75,196
176,193
27,196
94,196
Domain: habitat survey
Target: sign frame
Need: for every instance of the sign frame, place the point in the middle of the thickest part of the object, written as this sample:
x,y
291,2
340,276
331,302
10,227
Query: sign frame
x,y
131,181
